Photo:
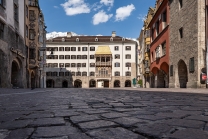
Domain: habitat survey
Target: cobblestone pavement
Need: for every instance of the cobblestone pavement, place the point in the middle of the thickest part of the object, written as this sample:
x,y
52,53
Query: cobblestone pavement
x,y
103,114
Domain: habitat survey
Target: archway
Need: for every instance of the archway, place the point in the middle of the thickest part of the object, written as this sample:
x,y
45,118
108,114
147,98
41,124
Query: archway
x,y
32,77
127,83
65,84
50,83
161,79
92,83
15,74
78,83
117,83
182,74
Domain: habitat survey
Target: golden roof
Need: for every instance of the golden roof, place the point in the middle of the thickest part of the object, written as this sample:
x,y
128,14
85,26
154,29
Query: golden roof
x,y
104,50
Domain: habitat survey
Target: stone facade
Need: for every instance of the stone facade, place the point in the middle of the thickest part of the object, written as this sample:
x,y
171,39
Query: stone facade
x,y
12,46
191,19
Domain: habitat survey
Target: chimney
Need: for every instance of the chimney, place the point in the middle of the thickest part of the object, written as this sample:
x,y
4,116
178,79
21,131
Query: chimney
x,y
69,34
113,34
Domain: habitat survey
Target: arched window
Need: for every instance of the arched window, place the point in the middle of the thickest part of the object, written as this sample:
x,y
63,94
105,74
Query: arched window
x,y
77,39
117,64
128,73
117,73
128,56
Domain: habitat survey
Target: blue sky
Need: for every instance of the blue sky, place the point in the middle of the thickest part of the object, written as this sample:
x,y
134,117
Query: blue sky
x,y
94,17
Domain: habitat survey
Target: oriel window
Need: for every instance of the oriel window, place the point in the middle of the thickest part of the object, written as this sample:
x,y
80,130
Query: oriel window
x,y
32,34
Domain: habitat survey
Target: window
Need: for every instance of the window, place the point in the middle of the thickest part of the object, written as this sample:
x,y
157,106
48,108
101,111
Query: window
x,y
147,33
79,48
128,64
92,48
67,73
67,65
84,48
33,2
157,52
48,73
180,33
61,48
55,73
61,73
1,30
73,73
79,57
55,65
84,56
157,27
152,33
128,56
164,48
191,64
78,73
16,15
61,56
92,56
171,70
92,73
3,3
180,4
96,39
164,19
83,64
67,48
117,73
128,73
111,39
73,48
26,11
73,64
116,48
84,73
31,15
61,65
31,53
26,31
32,34
92,64
73,56
128,47
77,39
79,64
55,56
50,65
117,56
55,48
67,56
117,64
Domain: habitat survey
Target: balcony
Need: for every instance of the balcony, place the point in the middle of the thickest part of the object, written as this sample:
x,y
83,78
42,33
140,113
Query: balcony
x,y
103,64
103,75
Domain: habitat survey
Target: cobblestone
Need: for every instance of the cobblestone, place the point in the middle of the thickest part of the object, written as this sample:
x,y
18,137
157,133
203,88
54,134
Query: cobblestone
x,y
103,114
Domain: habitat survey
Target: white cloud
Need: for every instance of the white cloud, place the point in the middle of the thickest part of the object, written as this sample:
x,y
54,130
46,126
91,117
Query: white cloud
x,y
107,2
124,12
74,7
96,6
56,7
101,17
142,17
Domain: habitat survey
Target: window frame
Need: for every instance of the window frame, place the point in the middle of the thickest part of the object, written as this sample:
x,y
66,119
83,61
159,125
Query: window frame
x,y
128,56
128,48
92,48
116,48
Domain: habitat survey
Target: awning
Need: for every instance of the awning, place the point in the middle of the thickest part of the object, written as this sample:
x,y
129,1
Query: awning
x,y
103,50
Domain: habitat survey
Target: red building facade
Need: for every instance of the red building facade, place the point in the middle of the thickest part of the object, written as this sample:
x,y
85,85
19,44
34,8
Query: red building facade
x,y
159,47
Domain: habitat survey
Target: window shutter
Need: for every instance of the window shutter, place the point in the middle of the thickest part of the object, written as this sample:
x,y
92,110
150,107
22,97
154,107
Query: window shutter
x,y
171,70
191,64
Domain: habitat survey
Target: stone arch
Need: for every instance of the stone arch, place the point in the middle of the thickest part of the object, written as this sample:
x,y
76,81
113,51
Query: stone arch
x,y
117,83
50,83
65,84
16,74
127,83
78,83
92,83
182,74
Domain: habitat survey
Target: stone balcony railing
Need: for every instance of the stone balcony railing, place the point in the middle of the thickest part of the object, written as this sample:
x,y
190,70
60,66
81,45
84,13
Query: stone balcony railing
x,y
103,64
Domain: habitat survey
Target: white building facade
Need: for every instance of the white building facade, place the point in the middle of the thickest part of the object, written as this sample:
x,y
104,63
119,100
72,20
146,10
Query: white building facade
x,y
90,61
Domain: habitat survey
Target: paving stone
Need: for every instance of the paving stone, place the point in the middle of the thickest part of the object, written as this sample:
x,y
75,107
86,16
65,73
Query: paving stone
x,y
206,127
171,115
15,124
4,133
83,118
47,122
20,133
127,121
96,124
114,115
140,112
114,133
151,117
189,134
54,131
154,130
185,123
66,113
38,115
127,109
